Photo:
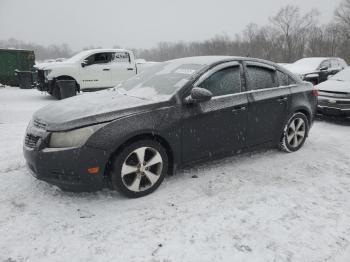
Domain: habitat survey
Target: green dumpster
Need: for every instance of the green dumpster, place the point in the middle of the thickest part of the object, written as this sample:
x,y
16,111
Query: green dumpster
x,y
14,59
25,79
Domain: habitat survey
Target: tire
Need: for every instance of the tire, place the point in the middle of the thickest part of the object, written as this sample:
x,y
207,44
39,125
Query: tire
x,y
295,133
56,90
56,93
134,178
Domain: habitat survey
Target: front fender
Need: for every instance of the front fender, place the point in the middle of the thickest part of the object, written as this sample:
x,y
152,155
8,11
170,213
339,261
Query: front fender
x,y
64,71
161,122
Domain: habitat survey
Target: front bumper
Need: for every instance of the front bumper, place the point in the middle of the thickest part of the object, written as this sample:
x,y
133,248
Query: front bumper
x,y
45,86
42,84
333,106
68,168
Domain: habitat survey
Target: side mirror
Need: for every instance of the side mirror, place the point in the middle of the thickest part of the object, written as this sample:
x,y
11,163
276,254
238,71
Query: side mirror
x,y
324,68
198,95
84,63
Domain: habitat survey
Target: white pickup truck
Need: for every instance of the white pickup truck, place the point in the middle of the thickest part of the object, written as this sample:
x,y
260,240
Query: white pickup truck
x,y
91,70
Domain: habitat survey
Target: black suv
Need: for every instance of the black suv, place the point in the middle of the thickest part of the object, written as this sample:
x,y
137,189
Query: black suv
x,y
317,69
176,113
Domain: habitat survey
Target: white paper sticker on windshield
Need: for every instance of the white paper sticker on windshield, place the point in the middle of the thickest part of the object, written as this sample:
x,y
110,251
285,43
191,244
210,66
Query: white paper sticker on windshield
x,y
185,71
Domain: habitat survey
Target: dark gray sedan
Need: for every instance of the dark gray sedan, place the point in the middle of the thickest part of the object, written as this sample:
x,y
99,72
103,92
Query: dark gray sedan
x,y
176,113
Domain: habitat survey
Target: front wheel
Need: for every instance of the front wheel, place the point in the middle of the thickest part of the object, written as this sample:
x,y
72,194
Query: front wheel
x,y
294,133
139,168
61,94
56,92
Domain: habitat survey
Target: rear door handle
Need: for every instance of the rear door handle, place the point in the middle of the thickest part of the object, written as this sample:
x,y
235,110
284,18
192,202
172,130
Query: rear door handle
x,y
130,69
282,99
106,69
238,109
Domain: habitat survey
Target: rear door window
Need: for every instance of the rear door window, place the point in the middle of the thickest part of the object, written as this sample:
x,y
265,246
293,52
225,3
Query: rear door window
x,y
121,57
283,79
292,81
260,78
224,82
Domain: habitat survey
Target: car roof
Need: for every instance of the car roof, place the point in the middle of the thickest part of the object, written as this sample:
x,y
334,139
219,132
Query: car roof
x,y
213,60
97,50
320,59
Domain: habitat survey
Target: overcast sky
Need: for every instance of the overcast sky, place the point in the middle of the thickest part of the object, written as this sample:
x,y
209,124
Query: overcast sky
x,y
138,23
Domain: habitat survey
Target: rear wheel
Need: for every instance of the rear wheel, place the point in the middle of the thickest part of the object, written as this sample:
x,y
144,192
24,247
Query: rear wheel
x,y
295,133
139,168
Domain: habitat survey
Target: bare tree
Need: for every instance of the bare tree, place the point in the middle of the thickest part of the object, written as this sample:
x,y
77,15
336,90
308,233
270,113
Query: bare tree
x,y
342,14
41,52
294,28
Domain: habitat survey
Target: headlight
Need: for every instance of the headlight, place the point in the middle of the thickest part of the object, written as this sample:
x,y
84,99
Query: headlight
x,y
46,73
74,138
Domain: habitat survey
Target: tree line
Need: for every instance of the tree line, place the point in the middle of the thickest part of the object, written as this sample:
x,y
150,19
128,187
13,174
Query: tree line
x,y
288,36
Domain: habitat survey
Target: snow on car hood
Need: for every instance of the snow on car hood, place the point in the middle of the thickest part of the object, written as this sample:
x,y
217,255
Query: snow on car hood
x,y
51,65
89,109
333,85
301,70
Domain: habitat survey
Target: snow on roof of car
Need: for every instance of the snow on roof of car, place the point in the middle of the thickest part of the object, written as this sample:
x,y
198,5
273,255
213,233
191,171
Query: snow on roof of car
x,y
201,60
306,65
312,61
107,50
208,60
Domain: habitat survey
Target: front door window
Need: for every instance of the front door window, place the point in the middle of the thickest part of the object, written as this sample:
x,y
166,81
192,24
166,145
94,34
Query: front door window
x,y
99,58
224,82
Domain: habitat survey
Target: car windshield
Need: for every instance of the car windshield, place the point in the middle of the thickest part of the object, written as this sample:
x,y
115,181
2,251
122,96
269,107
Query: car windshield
x,y
78,57
311,63
159,81
342,75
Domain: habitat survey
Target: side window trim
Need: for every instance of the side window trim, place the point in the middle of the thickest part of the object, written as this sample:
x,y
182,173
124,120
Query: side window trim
x,y
257,64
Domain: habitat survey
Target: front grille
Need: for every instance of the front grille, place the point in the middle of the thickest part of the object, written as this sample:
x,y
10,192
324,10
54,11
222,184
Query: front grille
x,y
38,124
41,80
334,94
31,140
60,175
41,76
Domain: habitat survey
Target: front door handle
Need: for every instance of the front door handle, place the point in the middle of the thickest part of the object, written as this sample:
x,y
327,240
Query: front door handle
x,y
282,99
106,69
130,69
238,109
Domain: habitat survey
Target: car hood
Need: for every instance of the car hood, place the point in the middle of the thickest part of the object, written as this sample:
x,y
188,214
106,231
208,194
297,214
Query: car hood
x,y
52,65
333,85
301,70
89,109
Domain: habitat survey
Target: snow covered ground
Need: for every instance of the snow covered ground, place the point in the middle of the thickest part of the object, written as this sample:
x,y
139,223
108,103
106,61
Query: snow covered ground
x,y
261,206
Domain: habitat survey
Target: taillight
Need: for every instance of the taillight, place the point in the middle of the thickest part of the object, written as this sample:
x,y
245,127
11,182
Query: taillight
x,y
315,92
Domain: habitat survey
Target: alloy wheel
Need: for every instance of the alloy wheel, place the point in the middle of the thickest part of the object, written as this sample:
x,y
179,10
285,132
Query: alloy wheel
x,y
296,132
142,169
